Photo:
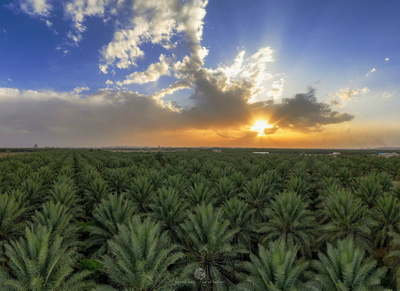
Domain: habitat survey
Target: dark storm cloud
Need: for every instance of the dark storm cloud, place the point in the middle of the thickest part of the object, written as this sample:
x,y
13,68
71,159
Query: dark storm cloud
x,y
303,112
217,104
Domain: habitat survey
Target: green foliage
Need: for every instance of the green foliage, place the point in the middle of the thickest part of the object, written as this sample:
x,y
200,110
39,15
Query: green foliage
x,y
169,209
257,193
299,185
90,264
240,216
275,269
40,261
11,216
200,193
177,182
117,179
347,217
224,189
63,192
112,212
196,220
289,219
32,187
96,190
207,244
369,189
392,259
59,220
141,257
385,218
140,192
346,267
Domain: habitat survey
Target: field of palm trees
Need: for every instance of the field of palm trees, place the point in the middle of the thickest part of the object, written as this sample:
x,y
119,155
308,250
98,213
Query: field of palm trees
x,y
198,220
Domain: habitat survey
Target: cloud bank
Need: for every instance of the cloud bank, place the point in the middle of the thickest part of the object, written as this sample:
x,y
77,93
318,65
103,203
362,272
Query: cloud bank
x,y
100,118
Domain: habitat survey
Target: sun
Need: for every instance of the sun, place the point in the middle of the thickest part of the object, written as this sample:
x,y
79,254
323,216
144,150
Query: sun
x,y
260,126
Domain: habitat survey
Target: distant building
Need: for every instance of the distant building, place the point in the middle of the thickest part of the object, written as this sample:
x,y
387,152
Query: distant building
x,y
388,155
261,153
217,150
35,146
335,154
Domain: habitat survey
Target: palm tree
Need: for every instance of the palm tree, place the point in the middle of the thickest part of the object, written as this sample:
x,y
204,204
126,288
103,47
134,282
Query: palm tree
x,y
346,216
396,190
368,188
20,197
272,181
64,192
385,219
197,178
40,261
329,186
32,187
238,179
240,216
200,193
224,189
141,257
140,191
392,259
346,267
256,193
117,179
275,269
96,190
169,209
177,182
299,185
59,220
345,176
206,240
113,211
289,219
12,213
385,180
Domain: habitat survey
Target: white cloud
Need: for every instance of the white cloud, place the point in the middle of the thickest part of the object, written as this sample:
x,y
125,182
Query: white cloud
x,y
387,60
35,7
79,90
79,10
13,94
248,71
157,22
102,97
347,94
158,96
152,73
277,88
373,70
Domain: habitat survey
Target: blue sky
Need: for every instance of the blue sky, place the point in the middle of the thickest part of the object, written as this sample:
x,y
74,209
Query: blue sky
x,y
322,38
347,50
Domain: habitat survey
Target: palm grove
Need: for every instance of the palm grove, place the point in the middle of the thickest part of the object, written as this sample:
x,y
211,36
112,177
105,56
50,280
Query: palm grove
x,y
96,220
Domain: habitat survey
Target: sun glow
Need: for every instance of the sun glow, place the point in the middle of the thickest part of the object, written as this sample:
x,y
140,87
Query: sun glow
x,y
260,126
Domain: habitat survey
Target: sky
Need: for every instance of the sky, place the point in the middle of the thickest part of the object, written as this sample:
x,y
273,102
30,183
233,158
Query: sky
x,y
234,73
